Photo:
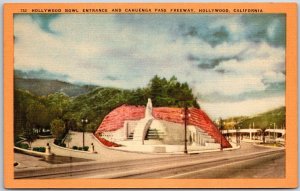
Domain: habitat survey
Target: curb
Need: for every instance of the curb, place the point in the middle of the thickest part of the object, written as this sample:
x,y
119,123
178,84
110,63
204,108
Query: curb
x,y
32,153
265,146
166,153
71,150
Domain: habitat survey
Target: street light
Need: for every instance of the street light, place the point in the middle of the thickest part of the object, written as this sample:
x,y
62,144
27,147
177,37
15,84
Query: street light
x,y
238,136
220,128
84,122
185,116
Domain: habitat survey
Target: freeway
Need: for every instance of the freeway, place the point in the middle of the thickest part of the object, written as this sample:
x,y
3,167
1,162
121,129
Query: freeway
x,y
248,162
267,165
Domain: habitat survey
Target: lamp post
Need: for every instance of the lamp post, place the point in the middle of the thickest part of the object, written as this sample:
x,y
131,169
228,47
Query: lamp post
x,y
185,116
274,134
239,136
220,128
236,135
84,121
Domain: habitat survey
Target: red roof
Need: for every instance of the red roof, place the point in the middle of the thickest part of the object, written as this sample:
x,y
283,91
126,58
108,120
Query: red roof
x,y
116,118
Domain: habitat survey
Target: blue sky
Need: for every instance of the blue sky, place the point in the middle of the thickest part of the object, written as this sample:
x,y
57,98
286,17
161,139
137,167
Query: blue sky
x,y
234,63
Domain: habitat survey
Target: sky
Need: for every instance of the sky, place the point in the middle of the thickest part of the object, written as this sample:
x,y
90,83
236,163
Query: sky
x,y
235,64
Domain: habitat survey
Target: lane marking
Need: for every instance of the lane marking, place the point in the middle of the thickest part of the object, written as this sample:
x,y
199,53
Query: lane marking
x,y
210,168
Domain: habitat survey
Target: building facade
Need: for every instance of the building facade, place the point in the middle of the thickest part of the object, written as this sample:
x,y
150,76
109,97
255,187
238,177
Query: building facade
x,y
140,125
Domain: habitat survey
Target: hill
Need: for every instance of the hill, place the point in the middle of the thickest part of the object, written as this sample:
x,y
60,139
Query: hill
x,y
43,87
262,120
39,102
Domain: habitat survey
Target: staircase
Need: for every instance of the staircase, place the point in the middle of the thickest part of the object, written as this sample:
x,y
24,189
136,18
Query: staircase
x,y
154,134
141,128
202,138
205,138
130,136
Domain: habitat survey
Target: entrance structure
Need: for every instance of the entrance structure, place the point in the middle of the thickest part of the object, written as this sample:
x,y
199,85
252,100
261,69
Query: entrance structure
x,y
139,125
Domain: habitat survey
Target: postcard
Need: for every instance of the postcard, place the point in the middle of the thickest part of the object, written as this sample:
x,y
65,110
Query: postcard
x,y
150,95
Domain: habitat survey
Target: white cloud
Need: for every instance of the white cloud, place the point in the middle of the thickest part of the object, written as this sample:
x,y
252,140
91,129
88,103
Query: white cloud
x,y
232,84
273,77
89,48
271,31
246,108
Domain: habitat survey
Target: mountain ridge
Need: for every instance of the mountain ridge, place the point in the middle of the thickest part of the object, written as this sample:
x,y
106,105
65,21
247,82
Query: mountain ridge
x,y
44,87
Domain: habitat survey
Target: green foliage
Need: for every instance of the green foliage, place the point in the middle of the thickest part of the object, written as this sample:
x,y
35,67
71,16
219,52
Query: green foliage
x,y
85,148
63,145
39,149
171,93
59,143
58,128
29,135
44,87
61,112
58,104
37,115
22,145
265,120
22,99
75,147
99,102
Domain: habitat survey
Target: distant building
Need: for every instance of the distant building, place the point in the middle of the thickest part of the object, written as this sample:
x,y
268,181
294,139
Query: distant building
x,y
140,125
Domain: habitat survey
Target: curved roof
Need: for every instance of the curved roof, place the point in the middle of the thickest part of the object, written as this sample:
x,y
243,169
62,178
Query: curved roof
x,y
116,118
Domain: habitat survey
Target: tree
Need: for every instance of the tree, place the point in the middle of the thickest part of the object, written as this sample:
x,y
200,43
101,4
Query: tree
x,y
172,93
58,128
68,139
29,134
38,116
263,125
263,133
58,104
22,99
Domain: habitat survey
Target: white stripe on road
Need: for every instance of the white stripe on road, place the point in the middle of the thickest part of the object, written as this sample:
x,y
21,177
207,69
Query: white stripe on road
x,y
210,168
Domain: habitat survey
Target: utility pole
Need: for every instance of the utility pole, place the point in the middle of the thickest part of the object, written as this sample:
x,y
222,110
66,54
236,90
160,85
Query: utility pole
x,y
239,140
185,130
274,133
84,122
185,116
220,128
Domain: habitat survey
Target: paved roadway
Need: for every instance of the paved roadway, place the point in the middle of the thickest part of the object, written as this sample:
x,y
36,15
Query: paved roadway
x,y
260,166
248,162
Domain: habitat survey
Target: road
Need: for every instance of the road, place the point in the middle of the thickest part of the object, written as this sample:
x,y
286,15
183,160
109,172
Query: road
x,y
269,165
248,162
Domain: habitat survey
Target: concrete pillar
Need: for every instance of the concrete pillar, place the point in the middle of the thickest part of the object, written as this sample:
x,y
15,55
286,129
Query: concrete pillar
x,y
126,130
92,148
48,149
250,136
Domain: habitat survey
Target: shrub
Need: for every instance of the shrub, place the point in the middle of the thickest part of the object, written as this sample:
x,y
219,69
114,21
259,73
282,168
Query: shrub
x,y
86,148
80,148
17,139
39,149
75,147
57,142
22,145
47,133
57,128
